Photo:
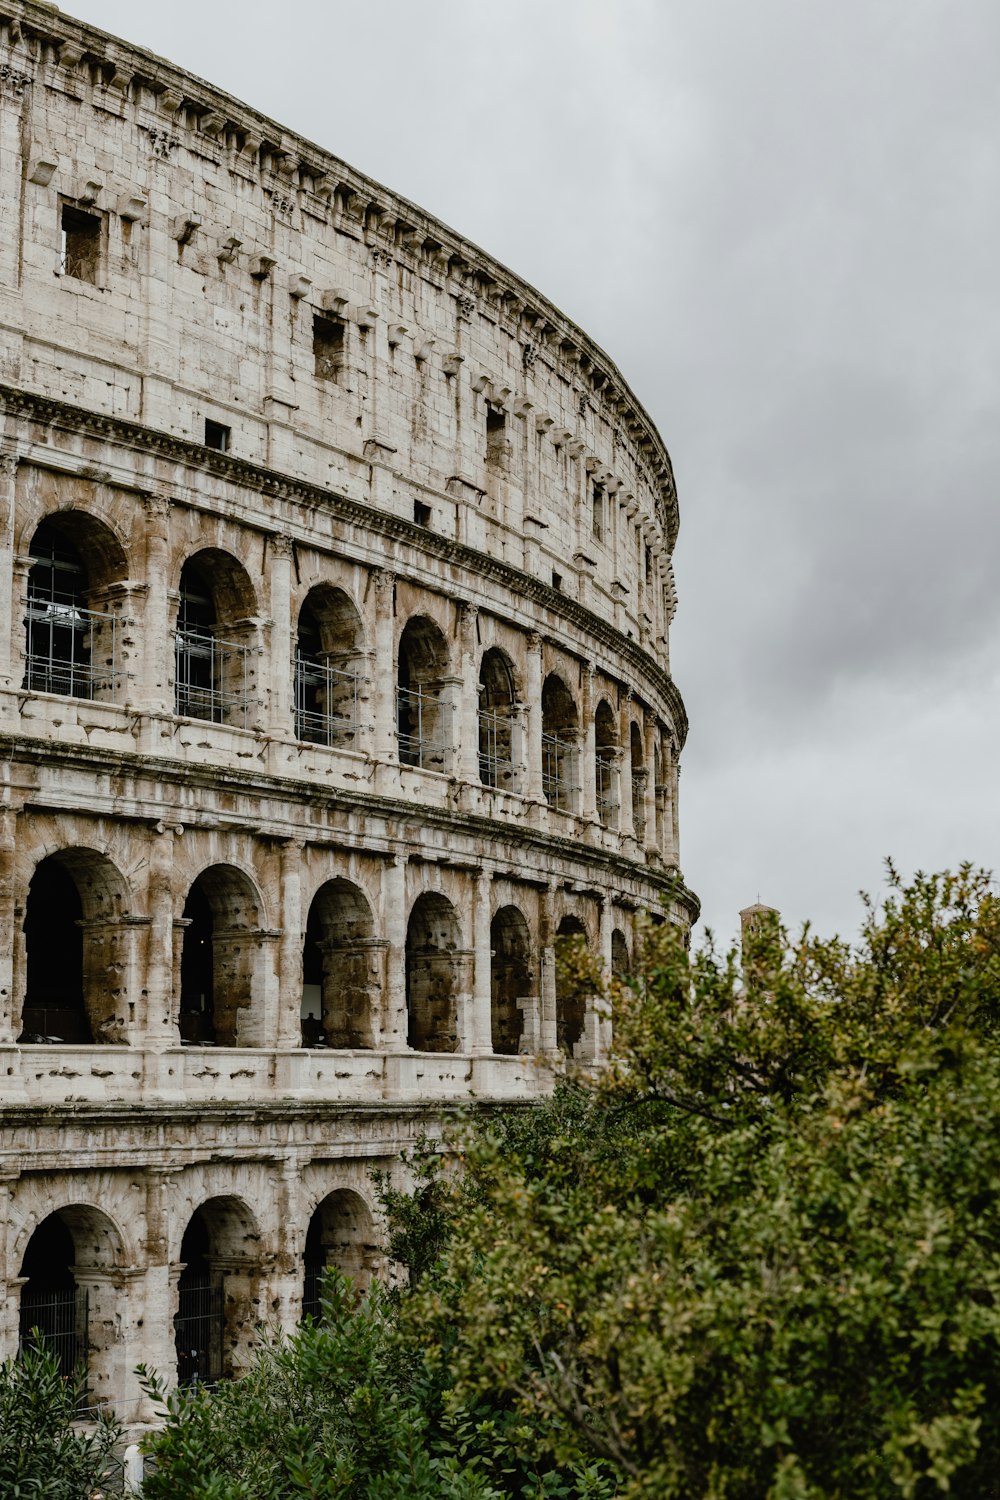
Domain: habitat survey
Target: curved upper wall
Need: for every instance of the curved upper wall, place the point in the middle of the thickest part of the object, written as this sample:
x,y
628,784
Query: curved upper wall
x,y
248,279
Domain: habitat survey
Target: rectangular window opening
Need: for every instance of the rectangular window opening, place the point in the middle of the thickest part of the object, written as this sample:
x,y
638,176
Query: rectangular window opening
x,y
496,435
421,513
557,582
597,526
328,347
80,243
217,435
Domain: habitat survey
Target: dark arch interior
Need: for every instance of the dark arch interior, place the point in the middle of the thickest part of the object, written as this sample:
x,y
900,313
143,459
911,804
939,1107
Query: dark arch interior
x,y
341,1234
213,668
218,951
496,721
54,1008
53,1310
420,717
559,726
605,744
327,675
199,1326
510,978
340,970
571,1000
197,1023
432,938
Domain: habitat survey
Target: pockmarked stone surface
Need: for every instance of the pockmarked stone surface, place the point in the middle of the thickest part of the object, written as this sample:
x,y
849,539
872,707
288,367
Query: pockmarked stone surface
x,y
335,593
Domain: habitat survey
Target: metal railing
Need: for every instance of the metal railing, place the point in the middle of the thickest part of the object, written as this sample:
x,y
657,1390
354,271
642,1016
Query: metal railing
x,y
57,1320
212,679
607,802
639,807
496,764
327,703
62,642
559,784
199,1326
422,723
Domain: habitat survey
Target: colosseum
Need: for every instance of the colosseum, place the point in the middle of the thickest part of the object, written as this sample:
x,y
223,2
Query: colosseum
x,y
334,689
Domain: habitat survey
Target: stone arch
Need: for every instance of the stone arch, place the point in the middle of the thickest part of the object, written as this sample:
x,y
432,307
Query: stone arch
x,y
560,735
77,937
637,757
71,1270
215,658
571,1000
72,644
342,969
433,978
621,961
216,1290
605,757
341,1235
498,721
423,718
223,960
510,978
329,659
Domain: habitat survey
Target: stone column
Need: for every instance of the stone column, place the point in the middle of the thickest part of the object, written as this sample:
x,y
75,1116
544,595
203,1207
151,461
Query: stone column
x,y
384,687
533,726
547,996
8,476
588,743
481,1036
602,1028
394,1020
650,728
467,717
626,824
153,693
675,791
18,653
281,709
289,1029
8,846
10,1283
162,1014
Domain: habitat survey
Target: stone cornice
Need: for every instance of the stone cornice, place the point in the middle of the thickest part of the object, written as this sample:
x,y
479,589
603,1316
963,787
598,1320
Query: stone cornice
x,y
258,784
288,165
255,477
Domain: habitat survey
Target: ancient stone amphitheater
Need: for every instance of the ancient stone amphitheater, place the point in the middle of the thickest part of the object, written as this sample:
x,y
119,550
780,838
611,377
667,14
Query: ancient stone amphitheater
x,y
334,688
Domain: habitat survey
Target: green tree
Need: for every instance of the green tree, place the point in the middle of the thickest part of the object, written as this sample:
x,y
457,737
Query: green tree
x,y
42,1452
760,1257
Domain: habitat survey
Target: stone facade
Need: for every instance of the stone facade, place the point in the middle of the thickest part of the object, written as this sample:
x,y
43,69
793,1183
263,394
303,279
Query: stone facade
x,y
335,590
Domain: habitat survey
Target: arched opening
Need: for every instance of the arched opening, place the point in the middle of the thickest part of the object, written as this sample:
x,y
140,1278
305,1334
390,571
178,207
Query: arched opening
x,y
213,1325
70,1295
638,782
571,983
222,961
432,974
215,673
341,1235
659,794
560,784
341,970
605,751
621,963
77,951
423,721
510,979
72,643
497,721
328,677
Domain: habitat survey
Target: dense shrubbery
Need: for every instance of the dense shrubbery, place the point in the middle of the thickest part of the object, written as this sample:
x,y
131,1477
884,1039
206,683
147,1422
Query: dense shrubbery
x,y
757,1259
42,1453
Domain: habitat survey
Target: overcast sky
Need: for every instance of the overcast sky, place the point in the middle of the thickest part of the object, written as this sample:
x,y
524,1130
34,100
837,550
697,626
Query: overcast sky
x,y
780,220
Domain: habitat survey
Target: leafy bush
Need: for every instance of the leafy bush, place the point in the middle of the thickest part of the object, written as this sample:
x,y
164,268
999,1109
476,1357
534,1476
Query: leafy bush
x,y
42,1453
